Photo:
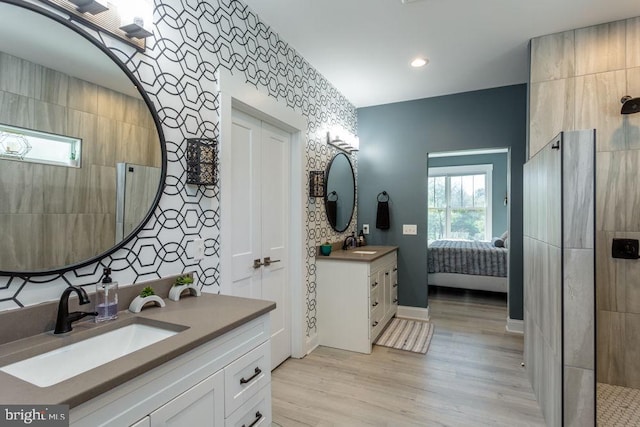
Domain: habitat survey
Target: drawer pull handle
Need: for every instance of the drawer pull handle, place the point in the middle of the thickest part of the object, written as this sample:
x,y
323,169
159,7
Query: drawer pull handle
x,y
374,284
395,285
395,268
386,273
374,304
395,300
257,372
375,324
258,416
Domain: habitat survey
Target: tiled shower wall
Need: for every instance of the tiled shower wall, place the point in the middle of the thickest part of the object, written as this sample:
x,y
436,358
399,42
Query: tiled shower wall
x,y
559,278
577,80
192,39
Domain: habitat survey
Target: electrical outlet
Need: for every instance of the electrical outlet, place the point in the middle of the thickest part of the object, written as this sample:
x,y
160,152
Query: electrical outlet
x,y
365,228
410,229
198,248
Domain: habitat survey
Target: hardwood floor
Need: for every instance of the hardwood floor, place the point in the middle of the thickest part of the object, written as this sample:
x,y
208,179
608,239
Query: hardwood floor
x,y
471,376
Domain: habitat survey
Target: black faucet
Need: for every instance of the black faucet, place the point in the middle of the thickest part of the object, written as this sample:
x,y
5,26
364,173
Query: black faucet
x,y
350,242
64,320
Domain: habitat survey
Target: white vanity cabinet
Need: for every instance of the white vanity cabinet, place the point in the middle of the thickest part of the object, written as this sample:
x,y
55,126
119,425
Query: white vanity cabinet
x,y
223,382
356,299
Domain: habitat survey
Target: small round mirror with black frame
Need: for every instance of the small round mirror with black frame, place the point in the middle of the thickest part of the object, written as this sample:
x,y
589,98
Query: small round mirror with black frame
x,y
67,209
340,198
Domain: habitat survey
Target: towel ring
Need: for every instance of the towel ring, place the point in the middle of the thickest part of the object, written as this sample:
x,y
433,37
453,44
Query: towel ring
x,y
384,195
333,193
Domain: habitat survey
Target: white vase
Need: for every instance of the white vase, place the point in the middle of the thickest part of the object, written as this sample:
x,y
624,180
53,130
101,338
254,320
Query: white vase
x,y
176,291
138,302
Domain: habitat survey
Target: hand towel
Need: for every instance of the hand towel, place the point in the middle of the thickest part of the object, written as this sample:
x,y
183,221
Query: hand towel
x,y
332,211
382,217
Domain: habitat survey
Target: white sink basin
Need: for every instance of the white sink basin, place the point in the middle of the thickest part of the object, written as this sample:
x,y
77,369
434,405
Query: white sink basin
x,y
365,252
57,365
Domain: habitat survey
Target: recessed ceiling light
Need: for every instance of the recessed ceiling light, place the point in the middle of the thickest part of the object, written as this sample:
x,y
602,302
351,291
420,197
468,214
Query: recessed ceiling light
x,y
419,62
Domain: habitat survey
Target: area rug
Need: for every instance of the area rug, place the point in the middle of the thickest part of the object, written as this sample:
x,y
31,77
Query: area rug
x,y
408,335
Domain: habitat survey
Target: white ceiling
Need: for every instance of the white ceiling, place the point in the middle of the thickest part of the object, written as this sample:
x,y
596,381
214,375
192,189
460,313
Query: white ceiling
x,y
363,47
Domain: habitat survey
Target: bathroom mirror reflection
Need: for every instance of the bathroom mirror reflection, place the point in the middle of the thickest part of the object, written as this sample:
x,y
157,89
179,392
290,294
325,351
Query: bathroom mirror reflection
x,y
56,82
341,192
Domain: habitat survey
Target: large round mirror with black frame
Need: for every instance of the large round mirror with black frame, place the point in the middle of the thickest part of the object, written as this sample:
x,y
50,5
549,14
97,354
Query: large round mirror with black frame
x,y
340,198
82,158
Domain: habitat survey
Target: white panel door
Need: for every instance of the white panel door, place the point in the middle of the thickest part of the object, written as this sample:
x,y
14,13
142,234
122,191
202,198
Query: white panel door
x,y
259,231
246,232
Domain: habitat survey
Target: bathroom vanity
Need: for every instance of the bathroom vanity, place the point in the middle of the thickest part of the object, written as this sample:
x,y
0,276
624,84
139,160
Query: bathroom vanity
x,y
215,369
357,294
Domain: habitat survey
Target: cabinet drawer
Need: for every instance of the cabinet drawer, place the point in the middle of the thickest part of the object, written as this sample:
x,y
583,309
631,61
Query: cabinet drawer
x,y
246,376
374,282
254,412
376,321
375,299
381,263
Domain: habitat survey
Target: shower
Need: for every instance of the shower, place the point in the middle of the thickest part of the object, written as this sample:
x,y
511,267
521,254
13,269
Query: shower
x,y
629,105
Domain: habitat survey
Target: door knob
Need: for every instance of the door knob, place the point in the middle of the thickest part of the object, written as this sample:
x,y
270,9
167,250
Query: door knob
x,y
267,262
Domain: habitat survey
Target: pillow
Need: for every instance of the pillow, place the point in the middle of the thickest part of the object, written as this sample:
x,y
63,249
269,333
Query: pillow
x,y
498,242
505,235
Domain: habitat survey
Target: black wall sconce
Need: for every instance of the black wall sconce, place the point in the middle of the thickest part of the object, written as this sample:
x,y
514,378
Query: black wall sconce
x,y
201,161
316,184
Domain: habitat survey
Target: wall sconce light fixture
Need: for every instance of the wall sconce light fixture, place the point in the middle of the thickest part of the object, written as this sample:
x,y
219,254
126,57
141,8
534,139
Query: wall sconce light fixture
x,y
131,21
348,146
90,6
201,161
135,17
316,184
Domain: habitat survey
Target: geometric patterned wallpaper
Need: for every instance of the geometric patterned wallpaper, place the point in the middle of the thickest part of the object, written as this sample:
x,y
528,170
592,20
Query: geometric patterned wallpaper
x,y
192,39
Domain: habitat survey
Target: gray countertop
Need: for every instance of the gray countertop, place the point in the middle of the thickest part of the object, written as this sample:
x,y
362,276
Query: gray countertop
x,y
353,255
205,317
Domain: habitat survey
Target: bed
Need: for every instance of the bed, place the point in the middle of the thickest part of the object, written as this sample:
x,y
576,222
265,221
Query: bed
x,y
467,264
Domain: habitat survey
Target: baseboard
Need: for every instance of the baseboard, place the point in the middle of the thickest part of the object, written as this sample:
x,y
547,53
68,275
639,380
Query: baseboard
x,y
515,326
414,313
312,343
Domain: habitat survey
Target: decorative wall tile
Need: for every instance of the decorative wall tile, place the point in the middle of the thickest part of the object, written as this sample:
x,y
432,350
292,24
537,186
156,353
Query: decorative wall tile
x,y
632,121
551,110
598,106
631,283
600,48
578,319
610,190
578,204
610,342
611,283
579,397
633,42
631,350
552,57
632,191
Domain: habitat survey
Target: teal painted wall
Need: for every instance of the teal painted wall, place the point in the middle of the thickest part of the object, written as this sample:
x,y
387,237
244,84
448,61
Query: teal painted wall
x,y
394,142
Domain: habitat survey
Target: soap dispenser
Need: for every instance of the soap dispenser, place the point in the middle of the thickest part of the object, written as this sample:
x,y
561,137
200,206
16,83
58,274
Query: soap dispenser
x,y
106,298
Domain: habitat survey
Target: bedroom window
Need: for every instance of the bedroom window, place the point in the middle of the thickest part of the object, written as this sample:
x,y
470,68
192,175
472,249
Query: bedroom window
x,y
459,203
